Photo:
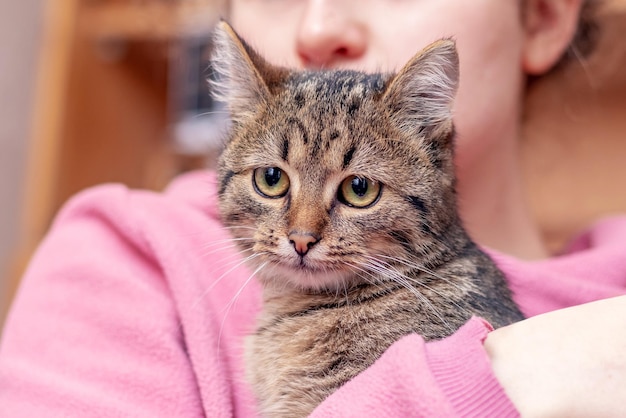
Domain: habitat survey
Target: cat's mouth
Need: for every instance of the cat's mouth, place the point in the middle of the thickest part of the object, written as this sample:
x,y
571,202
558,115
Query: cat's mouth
x,y
306,273
304,265
301,265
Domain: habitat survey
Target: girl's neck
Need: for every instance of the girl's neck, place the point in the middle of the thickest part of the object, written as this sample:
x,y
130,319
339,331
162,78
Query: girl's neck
x,y
493,204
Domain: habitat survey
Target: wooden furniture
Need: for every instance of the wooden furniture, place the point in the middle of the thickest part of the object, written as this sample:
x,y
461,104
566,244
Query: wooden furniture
x,y
101,114
102,108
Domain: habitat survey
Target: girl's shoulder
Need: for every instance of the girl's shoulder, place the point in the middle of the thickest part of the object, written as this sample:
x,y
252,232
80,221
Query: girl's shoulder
x,y
592,267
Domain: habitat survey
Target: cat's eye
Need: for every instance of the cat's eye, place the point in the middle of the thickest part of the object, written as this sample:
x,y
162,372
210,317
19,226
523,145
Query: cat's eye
x,y
359,192
270,182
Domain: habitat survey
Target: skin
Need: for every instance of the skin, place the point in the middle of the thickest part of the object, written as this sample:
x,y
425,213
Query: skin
x,y
544,368
350,34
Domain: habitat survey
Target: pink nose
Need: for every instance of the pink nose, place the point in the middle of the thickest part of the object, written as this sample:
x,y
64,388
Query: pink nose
x,y
302,242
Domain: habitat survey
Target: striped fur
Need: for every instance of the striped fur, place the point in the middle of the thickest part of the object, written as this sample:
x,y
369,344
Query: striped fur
x,y
403,264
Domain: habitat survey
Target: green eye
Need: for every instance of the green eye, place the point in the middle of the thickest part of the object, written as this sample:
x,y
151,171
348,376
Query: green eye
x,y
270,182
359,192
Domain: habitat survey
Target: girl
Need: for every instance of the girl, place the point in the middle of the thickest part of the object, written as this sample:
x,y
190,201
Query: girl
x,y
122,311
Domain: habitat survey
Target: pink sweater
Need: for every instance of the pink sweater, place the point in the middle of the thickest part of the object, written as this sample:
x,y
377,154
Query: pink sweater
x,y
136,305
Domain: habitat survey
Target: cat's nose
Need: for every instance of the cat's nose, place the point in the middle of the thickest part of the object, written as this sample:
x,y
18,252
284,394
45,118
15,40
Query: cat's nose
x,y
303,241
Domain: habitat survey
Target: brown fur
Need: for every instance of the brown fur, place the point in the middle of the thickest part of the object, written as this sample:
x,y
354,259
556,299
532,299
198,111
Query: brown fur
x,y
402,265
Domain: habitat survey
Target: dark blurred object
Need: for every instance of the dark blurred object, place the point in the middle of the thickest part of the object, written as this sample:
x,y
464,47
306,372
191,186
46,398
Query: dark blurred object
x,y
199,122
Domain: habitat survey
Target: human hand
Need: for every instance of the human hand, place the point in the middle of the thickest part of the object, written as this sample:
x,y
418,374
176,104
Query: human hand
x,y
570,362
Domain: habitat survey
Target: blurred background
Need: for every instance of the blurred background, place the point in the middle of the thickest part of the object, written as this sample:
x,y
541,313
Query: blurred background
x,y
20,34
95,91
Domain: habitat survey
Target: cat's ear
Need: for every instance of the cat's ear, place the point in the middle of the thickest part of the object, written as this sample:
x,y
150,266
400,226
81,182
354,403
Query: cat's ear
x,y
243,78
421,95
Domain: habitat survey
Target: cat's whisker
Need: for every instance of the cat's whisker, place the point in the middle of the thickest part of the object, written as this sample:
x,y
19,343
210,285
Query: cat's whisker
x,y
221,248
240,227
422,269
345,292
402,282
233,300
225,240
417,282
219,279
363,275
224,248
407,283
369,273
223,227
409,278
254,273
209,113
233,258
391,274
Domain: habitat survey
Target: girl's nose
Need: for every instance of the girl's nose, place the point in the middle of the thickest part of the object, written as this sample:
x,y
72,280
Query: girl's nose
x,y
330,34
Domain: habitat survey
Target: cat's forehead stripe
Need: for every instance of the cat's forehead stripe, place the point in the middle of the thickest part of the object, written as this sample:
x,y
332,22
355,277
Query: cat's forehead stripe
x,y
285,153
348,157
325,83
324,96
299,126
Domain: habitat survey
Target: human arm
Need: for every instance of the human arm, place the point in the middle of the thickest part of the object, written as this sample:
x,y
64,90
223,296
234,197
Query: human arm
x,y
65,327
447,378
568,362
96,327
93,330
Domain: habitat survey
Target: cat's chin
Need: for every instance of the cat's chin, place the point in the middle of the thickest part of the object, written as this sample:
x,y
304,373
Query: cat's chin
x,y
306,276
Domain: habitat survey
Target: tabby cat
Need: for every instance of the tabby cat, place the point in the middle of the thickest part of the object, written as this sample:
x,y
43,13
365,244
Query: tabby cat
x,y
339,187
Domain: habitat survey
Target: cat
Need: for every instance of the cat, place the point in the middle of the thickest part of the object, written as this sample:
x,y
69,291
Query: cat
x,y
339,188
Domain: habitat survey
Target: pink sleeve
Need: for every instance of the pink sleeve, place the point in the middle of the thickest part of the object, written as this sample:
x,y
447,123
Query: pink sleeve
x,y
447,378
62,352
95,330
